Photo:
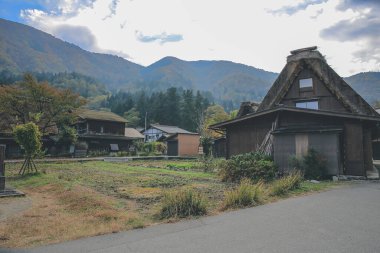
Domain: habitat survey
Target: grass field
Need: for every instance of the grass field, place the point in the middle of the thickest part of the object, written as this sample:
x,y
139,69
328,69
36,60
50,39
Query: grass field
x,y
77,199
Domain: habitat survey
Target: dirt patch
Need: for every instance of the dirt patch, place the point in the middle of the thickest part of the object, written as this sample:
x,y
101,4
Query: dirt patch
x,y
59,214
13,206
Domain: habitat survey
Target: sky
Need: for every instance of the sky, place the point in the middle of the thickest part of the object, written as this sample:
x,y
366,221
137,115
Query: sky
x,y
258,33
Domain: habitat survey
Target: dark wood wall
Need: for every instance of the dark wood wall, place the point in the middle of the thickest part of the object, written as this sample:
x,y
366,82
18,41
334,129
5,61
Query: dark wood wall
x,y
355,150
246,136
115,128
326,100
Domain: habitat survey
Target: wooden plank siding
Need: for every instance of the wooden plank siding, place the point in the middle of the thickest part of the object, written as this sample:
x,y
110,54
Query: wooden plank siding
x,y
246,136
353,148
326,100
188,144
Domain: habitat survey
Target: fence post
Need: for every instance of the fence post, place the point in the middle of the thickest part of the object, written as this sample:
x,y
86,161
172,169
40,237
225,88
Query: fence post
x,y
2,168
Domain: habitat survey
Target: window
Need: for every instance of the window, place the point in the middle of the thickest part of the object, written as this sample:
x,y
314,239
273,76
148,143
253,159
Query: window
x,y
306,83
307,104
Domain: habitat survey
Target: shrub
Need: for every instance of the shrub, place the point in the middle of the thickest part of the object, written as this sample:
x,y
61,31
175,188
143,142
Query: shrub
x,y
313,165
208,164
154,148
285,184
255,166
206,143
183,203
246,194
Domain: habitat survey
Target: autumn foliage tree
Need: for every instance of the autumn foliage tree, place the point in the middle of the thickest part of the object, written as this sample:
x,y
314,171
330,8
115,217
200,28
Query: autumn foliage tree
x,y
40,103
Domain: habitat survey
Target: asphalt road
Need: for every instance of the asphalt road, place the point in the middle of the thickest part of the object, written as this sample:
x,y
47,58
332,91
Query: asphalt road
x,y
340,220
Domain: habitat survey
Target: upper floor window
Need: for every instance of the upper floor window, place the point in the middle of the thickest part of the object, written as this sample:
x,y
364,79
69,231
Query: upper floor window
x,y
308,104
306,83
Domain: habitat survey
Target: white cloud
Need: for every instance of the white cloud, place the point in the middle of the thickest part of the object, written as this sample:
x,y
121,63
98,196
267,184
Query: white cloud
x,y
241,30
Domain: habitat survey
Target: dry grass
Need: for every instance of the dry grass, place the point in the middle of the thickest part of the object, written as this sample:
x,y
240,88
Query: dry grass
x,y
73,200
60,214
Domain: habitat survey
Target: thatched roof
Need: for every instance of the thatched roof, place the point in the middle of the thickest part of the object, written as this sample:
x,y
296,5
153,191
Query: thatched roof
x,y
313,60
247,108
99,115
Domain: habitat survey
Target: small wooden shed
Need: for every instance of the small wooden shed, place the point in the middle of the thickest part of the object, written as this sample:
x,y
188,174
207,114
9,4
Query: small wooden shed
x,y
183,144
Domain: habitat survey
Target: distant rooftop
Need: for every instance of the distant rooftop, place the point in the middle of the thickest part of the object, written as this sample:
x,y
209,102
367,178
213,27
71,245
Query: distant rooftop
x,y
100,115
170,129
133,133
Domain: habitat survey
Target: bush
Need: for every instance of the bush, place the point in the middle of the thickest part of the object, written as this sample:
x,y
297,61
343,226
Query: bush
x,y
208,164
183,203
313,165
254,166
246,194
285,184
158,148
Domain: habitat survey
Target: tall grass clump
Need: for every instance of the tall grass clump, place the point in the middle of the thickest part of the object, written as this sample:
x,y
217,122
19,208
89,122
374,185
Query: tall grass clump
x,y
255,166
246,194
288,183
183,203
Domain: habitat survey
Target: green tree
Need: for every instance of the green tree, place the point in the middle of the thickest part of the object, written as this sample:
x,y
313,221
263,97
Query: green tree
x,y
172,107
188,113
28,137
133,117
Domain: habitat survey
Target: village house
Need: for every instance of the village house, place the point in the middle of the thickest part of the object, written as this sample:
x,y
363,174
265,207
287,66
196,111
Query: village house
x,y
309,106
157,132
180,142
103,131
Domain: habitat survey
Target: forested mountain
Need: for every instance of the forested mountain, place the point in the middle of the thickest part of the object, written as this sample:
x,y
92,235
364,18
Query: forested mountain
x,y
23,48
83,85
367,84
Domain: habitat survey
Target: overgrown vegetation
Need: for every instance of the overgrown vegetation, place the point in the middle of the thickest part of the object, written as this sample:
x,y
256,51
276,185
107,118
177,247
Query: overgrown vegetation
x,y
78,199
287,183
255,166
246,194
313,165
183,203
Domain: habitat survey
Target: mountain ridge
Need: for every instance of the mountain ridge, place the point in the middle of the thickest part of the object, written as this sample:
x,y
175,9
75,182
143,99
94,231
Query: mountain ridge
x,y
24,48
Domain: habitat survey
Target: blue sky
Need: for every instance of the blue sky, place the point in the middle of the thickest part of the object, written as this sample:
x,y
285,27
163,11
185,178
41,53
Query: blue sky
x,y
259,33
10,9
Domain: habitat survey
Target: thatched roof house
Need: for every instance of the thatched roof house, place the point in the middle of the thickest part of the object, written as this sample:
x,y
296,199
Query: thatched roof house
x,y
308,106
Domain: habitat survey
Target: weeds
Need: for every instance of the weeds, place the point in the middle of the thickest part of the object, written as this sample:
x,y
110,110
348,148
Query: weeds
x,y
246,194
183,203
283,185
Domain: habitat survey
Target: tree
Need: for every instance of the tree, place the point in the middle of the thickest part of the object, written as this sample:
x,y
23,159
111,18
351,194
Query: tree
x,y
28,137
212,115
188,117
133,117
46,106
172,107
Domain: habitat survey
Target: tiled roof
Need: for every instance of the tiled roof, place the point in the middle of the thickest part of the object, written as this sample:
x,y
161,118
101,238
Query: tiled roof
x,y
170,129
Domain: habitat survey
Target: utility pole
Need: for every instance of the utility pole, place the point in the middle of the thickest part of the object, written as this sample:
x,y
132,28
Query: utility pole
x,y
146,115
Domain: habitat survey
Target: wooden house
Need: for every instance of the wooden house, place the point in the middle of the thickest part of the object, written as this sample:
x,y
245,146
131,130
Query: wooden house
x,y
183,144
102,131
157,132
308,106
